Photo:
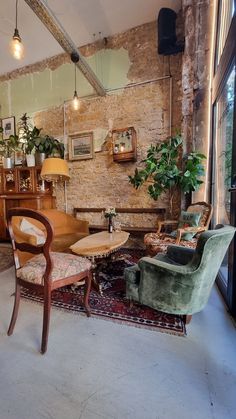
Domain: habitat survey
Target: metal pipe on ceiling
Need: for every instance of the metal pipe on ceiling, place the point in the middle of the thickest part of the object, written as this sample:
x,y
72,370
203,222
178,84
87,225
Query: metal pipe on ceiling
x,y
47,17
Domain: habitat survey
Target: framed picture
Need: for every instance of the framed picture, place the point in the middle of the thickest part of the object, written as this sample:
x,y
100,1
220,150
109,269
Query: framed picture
x,y
19,158
9,127
81,146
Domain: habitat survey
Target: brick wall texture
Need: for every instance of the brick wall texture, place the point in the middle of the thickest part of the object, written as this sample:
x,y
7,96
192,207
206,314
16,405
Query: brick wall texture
x,y
100,182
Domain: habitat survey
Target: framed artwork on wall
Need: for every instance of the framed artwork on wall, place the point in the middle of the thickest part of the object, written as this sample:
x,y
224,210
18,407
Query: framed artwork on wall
x,y
80,146
9,127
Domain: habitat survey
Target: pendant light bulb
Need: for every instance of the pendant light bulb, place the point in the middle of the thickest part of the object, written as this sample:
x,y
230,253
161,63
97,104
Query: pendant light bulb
x,y
16,46
17,49
76,103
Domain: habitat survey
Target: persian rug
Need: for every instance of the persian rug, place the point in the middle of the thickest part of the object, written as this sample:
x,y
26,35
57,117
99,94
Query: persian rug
x,y
113,305
6,258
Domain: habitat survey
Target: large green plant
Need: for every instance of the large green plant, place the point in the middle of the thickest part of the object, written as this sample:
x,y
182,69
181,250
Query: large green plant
x,y
163,169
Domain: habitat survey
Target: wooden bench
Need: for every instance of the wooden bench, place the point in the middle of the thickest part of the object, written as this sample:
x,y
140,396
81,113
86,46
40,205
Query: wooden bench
x,y
100,227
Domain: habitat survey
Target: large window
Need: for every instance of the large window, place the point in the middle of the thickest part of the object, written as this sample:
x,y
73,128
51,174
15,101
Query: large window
x,y
224,140
223,146
225,15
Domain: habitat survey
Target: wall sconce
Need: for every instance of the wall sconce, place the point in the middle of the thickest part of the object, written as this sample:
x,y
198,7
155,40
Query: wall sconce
x,y
16,46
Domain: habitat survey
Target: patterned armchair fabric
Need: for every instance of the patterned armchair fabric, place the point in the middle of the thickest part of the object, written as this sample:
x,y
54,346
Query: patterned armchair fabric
x,y
159,241
180,281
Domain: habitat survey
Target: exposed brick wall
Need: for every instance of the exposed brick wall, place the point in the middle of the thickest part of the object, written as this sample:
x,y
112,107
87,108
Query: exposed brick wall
x,y
101,182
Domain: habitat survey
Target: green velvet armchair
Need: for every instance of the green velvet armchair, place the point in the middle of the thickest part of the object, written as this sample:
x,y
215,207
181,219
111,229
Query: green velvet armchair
x,y
180,281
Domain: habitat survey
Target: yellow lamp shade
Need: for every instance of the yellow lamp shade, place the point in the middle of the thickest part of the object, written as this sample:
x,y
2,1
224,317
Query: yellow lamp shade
x,y
55,169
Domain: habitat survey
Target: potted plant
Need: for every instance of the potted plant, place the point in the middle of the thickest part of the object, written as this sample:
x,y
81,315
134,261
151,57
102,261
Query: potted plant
x,y
7,149
36,146
28,134
49,146
162,170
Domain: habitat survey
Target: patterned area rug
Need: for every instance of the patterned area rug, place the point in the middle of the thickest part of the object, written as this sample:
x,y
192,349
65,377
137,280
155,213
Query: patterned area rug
x,y
113,305
6,258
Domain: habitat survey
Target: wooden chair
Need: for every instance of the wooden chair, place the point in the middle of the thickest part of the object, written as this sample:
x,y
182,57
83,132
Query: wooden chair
x,y
159,241
46,271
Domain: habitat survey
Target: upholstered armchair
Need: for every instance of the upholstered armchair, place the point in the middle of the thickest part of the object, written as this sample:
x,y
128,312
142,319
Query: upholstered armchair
x,y
184,231
180,281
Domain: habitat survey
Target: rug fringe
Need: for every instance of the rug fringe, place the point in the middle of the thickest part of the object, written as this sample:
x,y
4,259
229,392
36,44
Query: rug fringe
x,y
39,301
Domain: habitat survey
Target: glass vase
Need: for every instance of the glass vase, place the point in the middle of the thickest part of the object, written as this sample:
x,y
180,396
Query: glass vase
x,y
110,226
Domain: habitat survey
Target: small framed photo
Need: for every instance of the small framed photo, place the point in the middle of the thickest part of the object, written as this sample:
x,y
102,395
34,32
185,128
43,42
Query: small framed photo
x,y
81,146
19,158
9,127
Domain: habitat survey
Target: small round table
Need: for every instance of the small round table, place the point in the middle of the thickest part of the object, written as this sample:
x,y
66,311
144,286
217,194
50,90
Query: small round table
x,y
99,246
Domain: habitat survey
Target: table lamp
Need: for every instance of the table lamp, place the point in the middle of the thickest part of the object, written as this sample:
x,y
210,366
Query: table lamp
x,y
56,170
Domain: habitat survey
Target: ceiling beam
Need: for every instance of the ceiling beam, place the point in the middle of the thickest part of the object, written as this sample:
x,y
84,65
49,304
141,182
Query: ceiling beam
x,y
47,17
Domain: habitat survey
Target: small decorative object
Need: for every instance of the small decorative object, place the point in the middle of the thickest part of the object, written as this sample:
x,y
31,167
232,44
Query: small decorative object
x,y
116,149
122,147
109,213
81,146
124,144
8,127
19,158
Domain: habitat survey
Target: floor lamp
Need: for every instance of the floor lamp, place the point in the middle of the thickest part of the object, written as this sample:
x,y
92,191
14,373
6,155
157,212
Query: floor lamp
x,y
56,170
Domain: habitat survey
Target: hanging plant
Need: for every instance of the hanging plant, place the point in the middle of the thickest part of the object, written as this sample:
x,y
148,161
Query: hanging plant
x,y
162,169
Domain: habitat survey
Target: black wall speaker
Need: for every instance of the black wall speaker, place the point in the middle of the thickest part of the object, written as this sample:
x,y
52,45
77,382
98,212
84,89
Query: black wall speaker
x,y
166,28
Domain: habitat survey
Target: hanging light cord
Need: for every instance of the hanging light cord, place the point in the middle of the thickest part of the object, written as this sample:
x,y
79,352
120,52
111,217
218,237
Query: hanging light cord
x,y
75,77
16,12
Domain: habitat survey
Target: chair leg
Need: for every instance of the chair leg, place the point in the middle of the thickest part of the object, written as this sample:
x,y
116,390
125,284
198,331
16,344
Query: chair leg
x,y
46,320
87,289
187,318
131,303
15,310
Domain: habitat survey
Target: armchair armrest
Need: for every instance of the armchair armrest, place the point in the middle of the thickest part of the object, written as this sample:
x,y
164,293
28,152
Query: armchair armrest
x,y
195,230
81,225
158,265
180,254
160,224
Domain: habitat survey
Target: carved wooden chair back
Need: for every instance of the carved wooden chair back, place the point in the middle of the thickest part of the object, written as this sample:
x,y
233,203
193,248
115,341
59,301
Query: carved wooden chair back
x,y
46,271
205,209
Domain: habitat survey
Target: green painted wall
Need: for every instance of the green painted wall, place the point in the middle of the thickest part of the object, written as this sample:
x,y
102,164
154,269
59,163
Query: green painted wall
x,y
41,90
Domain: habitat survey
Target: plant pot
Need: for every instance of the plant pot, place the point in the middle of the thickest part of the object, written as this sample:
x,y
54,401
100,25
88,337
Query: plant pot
x,y
39,158
30,160
7,162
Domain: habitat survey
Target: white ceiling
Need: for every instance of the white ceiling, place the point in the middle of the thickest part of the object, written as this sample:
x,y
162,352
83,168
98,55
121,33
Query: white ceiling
x,y
80,18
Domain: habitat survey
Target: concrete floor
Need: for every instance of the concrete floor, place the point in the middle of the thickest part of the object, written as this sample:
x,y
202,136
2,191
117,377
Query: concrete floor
x,y
98,369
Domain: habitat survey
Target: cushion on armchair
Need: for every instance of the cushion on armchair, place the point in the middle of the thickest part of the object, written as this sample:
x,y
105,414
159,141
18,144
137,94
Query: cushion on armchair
x,y
29,228
187,219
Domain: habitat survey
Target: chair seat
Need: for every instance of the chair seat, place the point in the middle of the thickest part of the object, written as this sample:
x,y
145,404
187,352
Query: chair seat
x,y
158,242
64,265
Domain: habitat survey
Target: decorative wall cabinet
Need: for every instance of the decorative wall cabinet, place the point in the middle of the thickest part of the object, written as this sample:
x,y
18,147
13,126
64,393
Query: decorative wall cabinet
x,y
23,187
124,144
